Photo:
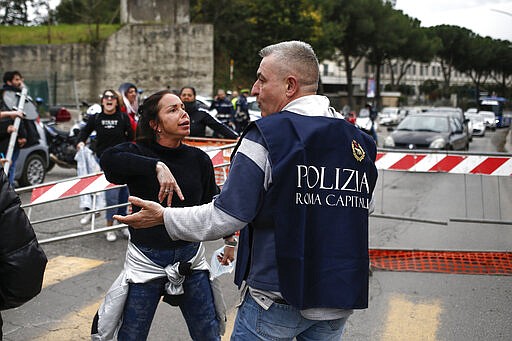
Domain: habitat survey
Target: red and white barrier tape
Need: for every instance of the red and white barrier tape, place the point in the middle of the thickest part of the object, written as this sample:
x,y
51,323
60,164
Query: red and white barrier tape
x,y
448,163
89,184
66,188
445,163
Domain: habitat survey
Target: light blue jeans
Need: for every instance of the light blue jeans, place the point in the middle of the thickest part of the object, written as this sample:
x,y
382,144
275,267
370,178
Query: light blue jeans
x,y
281,322
114,197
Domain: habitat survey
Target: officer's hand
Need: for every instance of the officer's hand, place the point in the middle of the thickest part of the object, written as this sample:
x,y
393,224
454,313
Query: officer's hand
x,y
150,215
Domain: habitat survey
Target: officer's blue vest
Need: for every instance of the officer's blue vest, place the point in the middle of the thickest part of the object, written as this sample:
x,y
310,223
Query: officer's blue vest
x,y
316,213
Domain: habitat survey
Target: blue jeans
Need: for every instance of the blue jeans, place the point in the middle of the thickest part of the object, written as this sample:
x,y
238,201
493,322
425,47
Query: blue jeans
x,y
197,305
114,197
12,167
281,322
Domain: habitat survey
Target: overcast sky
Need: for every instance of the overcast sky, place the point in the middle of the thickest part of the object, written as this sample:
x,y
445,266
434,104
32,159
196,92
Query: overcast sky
x,y
486,17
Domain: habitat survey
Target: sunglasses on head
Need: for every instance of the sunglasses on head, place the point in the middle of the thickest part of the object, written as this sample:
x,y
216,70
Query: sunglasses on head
x,y
109,97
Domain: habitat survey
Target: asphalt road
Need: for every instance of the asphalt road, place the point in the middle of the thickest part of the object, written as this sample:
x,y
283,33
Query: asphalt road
x,y
403,305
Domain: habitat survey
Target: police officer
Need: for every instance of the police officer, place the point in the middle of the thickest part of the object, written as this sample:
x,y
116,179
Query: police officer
x,y
301,183
224,107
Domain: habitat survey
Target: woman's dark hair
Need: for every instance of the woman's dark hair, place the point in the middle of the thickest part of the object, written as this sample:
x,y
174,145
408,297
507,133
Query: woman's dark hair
x,y
9,76
148,111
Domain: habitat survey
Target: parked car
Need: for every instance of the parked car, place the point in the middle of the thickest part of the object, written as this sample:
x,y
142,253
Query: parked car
x,y
429,130
459,114
363,121
489,118
32,163
478,123
254,109
389,116
405,111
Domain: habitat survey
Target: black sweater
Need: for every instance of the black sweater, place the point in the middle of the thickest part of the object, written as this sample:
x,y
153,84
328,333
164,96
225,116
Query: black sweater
x,y
110,130
135,165
200,119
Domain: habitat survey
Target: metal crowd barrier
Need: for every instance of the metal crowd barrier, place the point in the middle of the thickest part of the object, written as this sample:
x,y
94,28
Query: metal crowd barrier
x,y
466,164
220,151
53,192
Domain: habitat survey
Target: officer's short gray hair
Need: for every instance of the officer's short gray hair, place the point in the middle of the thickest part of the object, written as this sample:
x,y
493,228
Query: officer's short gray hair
x,y
297,58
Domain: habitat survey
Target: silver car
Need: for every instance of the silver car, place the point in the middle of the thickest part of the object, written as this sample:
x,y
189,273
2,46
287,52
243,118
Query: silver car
x,y
32,161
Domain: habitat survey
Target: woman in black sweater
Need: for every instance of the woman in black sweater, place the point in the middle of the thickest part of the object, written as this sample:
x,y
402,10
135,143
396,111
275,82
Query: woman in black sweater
x,y
146,168
112,127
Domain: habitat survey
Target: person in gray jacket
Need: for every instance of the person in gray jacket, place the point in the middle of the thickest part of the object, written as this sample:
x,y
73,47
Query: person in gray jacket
x,y
22,261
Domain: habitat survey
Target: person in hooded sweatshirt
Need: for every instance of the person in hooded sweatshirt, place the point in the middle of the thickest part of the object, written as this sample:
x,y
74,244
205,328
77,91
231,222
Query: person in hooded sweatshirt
x,y
130,103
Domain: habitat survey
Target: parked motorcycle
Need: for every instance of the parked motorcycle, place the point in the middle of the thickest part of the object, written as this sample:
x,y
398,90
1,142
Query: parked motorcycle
x,y
61,143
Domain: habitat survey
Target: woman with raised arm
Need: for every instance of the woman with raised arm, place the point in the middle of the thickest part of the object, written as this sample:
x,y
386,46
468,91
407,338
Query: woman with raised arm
x,y
146,166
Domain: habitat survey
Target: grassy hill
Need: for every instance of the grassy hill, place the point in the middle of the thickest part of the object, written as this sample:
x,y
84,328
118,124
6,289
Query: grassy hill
x,y
59,34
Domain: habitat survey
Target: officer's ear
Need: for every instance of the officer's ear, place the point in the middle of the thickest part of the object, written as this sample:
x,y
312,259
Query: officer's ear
x,y
292,86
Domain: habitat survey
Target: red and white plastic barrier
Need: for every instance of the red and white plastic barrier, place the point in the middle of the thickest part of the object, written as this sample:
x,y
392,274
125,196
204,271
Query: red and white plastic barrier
x,y
85,185
88,184
445,163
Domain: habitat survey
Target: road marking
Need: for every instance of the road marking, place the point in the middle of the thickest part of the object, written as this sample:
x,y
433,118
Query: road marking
x,y
74,326
77,324
61,268
411,321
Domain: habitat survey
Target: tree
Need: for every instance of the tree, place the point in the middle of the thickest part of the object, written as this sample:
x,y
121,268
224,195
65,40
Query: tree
x,y
349,26
243,27
453,47
417,47
393,27
231,32
14,12
501,65
88,11
477,61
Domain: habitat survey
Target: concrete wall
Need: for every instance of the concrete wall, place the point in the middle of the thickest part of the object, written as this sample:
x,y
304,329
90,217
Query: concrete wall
x,y
153,56
160,11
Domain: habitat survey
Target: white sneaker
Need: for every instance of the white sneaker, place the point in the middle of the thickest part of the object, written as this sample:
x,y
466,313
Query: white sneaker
x,y
111,236
126,232
87,218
